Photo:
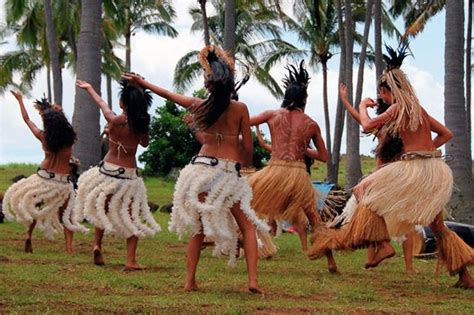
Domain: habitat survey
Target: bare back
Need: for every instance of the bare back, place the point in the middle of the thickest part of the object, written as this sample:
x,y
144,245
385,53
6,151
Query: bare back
x,y
56,162
221,140
123,143
291,132
419,140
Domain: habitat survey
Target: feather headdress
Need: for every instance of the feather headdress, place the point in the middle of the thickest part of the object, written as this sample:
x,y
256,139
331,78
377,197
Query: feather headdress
x,y
212,53
43,104
296,76
409,113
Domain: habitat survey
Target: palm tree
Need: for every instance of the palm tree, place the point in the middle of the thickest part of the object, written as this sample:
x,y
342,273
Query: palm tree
x,y
205,24
455,111
53,50
378,38
254,26
230,25
86,114
148,15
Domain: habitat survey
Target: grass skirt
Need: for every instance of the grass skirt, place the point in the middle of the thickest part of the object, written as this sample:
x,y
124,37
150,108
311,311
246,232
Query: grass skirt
x,y
38,199
409,192
283,191
127,212
213,217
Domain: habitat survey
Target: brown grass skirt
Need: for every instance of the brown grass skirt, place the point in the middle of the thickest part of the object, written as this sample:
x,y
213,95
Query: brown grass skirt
x,y
283,191
452,251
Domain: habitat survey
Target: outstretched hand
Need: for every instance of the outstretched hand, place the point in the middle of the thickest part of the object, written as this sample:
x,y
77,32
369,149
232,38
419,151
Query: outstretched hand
x,y
83,84
133,77
343,91
17,95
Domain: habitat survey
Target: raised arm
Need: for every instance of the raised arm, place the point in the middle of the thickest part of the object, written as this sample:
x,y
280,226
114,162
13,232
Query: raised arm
x,y
185,101
261,118
321,153
38,133
262,141
104,107
443,134
368,123
343,93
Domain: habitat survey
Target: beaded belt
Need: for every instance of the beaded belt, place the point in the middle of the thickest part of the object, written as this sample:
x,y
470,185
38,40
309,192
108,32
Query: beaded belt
x,y
45,174
117,171
414,155
225,165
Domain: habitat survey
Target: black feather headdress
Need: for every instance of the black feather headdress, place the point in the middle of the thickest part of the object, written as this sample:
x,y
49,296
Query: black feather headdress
x,y
43,104
296,76
394,58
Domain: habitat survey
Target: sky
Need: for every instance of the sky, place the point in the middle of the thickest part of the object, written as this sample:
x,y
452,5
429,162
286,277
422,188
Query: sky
x,y
155,56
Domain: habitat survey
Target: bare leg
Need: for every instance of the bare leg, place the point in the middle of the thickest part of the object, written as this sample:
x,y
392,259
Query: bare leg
x,y
384,251
465,280
194,252
132,243
371,249
98,235
301,230
250,247
28,244
68,237
68,234
408,253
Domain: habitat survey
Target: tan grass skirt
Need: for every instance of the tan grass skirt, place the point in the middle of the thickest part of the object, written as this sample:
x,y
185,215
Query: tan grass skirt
x,y
283,191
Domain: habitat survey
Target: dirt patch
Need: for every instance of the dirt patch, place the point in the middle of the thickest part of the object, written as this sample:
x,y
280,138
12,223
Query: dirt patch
x,y
4,259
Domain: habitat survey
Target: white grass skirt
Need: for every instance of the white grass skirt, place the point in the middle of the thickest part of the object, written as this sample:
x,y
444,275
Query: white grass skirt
x,y
127,212
213,217
39,199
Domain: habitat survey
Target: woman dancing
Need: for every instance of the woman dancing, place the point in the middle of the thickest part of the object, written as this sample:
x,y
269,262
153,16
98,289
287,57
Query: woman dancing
x,y
211,198
411,191
112,196
46,199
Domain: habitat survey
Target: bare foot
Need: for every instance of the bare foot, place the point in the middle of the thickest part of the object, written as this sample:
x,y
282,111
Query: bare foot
x,y
69,250
410,271
381,254
131,268
28,246
255,290
332,267
465,281
98,259
190,287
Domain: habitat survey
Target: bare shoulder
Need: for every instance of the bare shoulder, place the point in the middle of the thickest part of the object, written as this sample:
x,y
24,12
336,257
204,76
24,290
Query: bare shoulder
x,y
311,122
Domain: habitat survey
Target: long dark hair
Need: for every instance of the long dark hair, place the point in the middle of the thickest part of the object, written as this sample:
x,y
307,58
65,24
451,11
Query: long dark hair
x,y
391,148
136,102
58,132
295,83
219,80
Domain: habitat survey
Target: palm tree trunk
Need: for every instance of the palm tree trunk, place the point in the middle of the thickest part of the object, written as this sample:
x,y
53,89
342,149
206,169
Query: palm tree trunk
x,y
455,112
468,74
207,38
353,167
230,26
53,52
363,52
48,82
86,114
128,49
326,114
378,38
108,79
333,172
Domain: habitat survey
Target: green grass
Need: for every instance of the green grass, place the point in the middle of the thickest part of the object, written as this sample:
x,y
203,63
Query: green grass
x,y
51,281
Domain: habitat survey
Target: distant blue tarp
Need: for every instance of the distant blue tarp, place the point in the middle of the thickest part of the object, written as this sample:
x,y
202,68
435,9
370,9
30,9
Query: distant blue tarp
x,y
324,188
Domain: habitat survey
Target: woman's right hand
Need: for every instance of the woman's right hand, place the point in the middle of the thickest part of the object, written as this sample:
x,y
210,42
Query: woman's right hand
x,y
343,91
83,84
17,95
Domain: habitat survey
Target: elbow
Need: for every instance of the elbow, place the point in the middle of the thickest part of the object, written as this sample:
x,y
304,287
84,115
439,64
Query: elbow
x,y
449,135
324,157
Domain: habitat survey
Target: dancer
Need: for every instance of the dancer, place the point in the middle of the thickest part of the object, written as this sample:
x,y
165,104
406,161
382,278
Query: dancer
x,y
211,198
389,149
112,196
404,193
46,199
282,190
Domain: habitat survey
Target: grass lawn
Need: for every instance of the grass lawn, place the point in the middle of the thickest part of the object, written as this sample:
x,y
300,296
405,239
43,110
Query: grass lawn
x,y
51,281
